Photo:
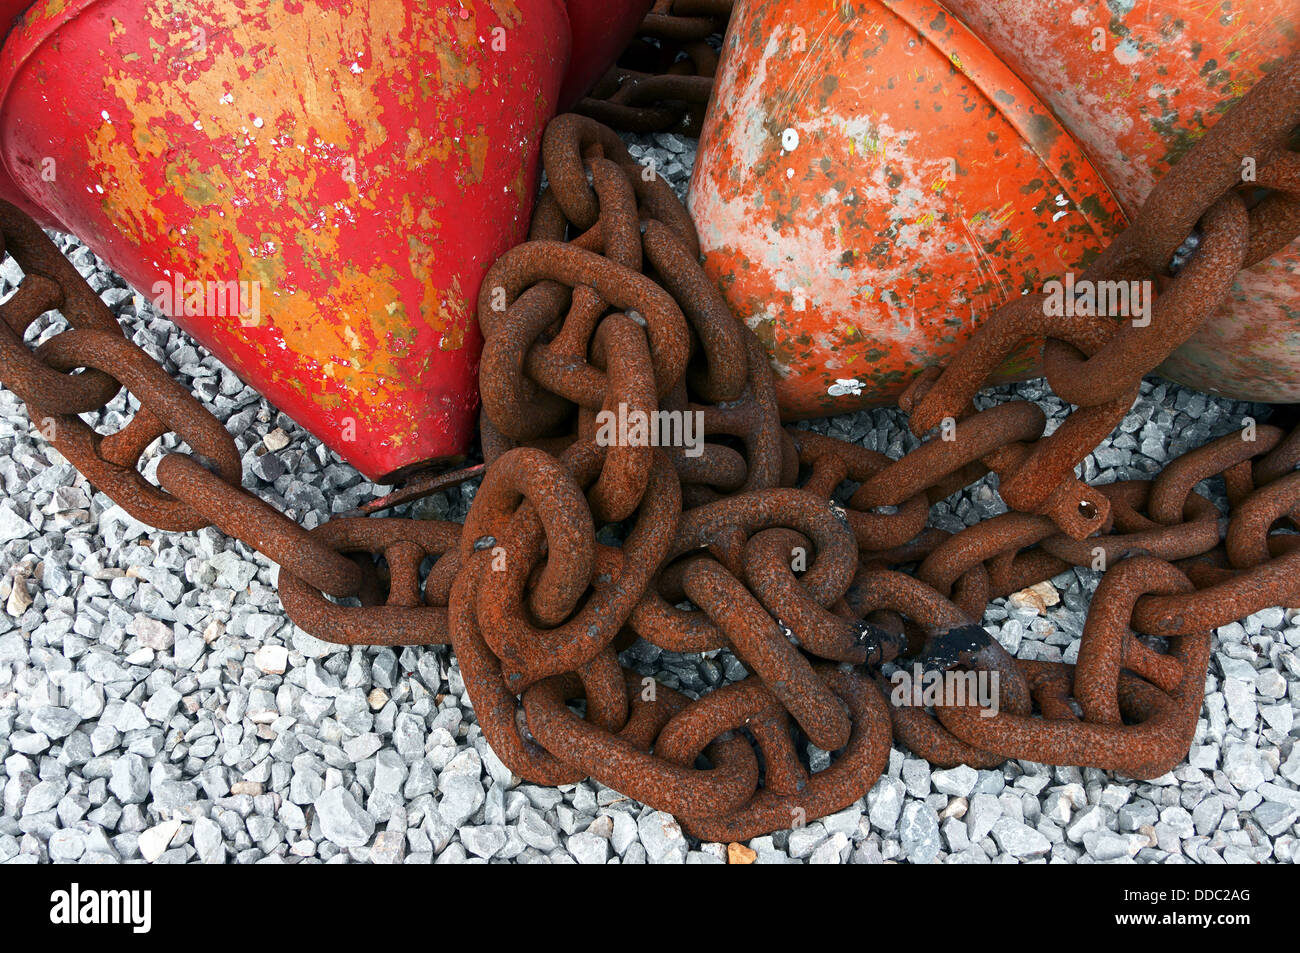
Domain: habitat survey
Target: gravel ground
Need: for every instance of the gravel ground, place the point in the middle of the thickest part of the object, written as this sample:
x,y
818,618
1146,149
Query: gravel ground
x,y
156,704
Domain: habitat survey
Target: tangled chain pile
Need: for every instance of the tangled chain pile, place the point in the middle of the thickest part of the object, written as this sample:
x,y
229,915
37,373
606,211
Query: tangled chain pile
x,y
578,542
663,80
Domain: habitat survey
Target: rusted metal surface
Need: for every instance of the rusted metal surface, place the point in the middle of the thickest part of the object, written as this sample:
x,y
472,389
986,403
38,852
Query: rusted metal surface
x,y
738,540
404,615
1161,722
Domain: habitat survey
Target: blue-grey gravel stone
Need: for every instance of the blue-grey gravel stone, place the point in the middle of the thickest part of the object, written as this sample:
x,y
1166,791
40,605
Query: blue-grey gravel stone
x,y
342,820
919,831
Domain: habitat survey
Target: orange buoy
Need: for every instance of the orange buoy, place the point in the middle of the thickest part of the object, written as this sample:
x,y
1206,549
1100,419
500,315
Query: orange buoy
x,y
871,182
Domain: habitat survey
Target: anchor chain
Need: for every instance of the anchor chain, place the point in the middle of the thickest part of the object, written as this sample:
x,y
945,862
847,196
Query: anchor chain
x,y
639,484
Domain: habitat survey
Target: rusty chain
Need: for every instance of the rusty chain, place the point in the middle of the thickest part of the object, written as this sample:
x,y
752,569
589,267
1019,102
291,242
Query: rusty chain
x,y
579,542
663,80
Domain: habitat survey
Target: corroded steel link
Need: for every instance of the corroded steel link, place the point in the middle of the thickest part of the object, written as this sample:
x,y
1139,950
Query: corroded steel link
x,y
1164,729
829,468
49,283
563,143
1173,487
727,546
1238,483
1269,576
677,28
747,705
789,461
1275,221
721,336
761,643
110,462
850,776
753,418
519,408
1107,394
641,102
699,8
1108,644
834,556
973,592
1105,375
494,443
600,683
717,468
239,514
912,551
1043,481
673,629
623,764
834,461
951,639
531,653
932,397
723,527
956,482
1279,461
972,547
1223,596
1246,541
971,439
437,585
549,223
1011,573
1076,508
560,366
512,336
669,581
1197,532
1258,125
657,85
927,738
402,620
526,264
1034,478
769,556
496,708
620,348
620,233
1052,685
558,503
